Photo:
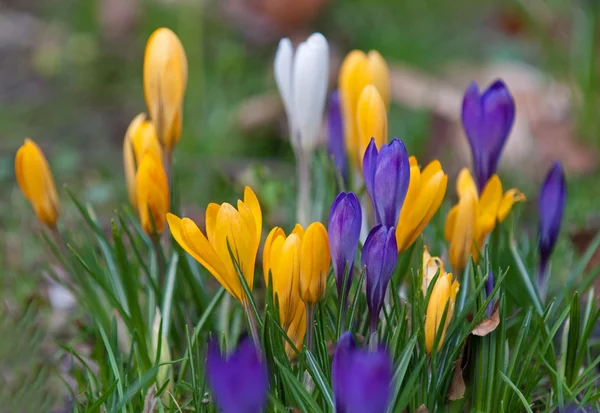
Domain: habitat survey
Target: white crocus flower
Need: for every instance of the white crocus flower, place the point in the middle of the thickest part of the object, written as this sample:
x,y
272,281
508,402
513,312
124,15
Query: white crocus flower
x,y
302,82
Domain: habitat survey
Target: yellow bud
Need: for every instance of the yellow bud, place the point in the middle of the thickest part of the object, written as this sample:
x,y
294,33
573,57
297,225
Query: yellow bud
x,y
297,330
431,265
139,138
460,230
165,79
443,293
371,119
357,71
152,194
35,180
314,263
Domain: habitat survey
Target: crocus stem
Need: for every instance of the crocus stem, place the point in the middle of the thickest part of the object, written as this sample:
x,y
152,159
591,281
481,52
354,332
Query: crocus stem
x,y
303,201
373,339
160,259
310,321
167,159
542,280
253,324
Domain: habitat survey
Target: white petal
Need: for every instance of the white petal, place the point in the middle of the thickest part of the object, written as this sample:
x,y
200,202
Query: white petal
x,y
283,75
310,76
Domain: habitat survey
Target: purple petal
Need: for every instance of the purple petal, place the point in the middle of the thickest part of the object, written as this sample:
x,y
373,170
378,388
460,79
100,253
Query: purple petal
x,y
342,360
551,206
240,382
335,135
369,165
392,177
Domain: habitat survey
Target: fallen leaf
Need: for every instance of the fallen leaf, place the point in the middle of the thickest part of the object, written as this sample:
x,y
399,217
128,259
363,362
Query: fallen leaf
x,y
150,400
489,324
422,409
457,386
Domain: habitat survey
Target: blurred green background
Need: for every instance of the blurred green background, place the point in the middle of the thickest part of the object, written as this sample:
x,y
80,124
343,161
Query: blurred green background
x,y
70,78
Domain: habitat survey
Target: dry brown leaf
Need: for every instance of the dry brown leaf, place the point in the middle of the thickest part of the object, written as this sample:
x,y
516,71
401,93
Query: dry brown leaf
x,y
422,409
457,386
150,400
489,324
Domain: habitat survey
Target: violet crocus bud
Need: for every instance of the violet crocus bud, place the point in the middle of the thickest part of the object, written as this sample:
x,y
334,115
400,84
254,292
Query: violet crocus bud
x,y
335,136
487,119
489,287
345,220
361,379
387,175
551,205
379,256
239,381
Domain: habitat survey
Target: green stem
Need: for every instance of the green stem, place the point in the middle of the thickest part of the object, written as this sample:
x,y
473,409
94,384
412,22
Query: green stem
x,y
160,259
303,182
310,321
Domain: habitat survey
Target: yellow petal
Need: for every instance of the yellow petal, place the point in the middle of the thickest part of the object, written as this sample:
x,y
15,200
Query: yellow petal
x,y
444,293
212,210
450,223
298,230
165,79
463,232
380,76
286,276
251,202
36,182
152,194
269,242
465,183
406,220
297,330
314,263
371,119
413,162
489,202
510,198
431,265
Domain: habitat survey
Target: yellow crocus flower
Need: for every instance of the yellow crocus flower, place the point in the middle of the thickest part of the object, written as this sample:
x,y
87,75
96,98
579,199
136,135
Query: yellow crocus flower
x,y
165,79
461,229
139,138
36,182
225,225
492,207
297,330
371,119
315,259
152,193
425,194
357,71
431,265
443,293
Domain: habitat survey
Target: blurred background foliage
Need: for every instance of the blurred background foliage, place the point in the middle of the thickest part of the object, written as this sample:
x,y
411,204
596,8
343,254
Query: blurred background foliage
x,y
70,78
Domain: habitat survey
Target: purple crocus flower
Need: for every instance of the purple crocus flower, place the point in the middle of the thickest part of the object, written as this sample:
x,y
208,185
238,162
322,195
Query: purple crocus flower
x,y
345,220
487,119
239,382
387,175
335,136
361,379
489,287
379,256
551,205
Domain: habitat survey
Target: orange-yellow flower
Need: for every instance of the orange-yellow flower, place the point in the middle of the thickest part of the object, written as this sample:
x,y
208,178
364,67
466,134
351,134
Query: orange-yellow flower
x,y
139,138
36,181
152,193
165,79
357,71
226,228
474,217
315,259
443,293
371,119
425,194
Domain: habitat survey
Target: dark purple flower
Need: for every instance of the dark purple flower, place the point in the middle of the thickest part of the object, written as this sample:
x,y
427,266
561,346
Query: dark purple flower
x,y
379,256
361,379
335,136
574,408
489,287
487,120
387,175
239,382
345,220
551,205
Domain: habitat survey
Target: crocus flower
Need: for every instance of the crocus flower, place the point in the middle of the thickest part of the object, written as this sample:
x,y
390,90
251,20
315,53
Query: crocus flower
x,y
357,71
314,263
474,217
165,79
361,379
487,119
152,194
431,266
139,138
239,382
345,220
425,194
443,293
226,228
302,81
387,176
551,206
335,136
36,182
371,119
489,287
379,256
